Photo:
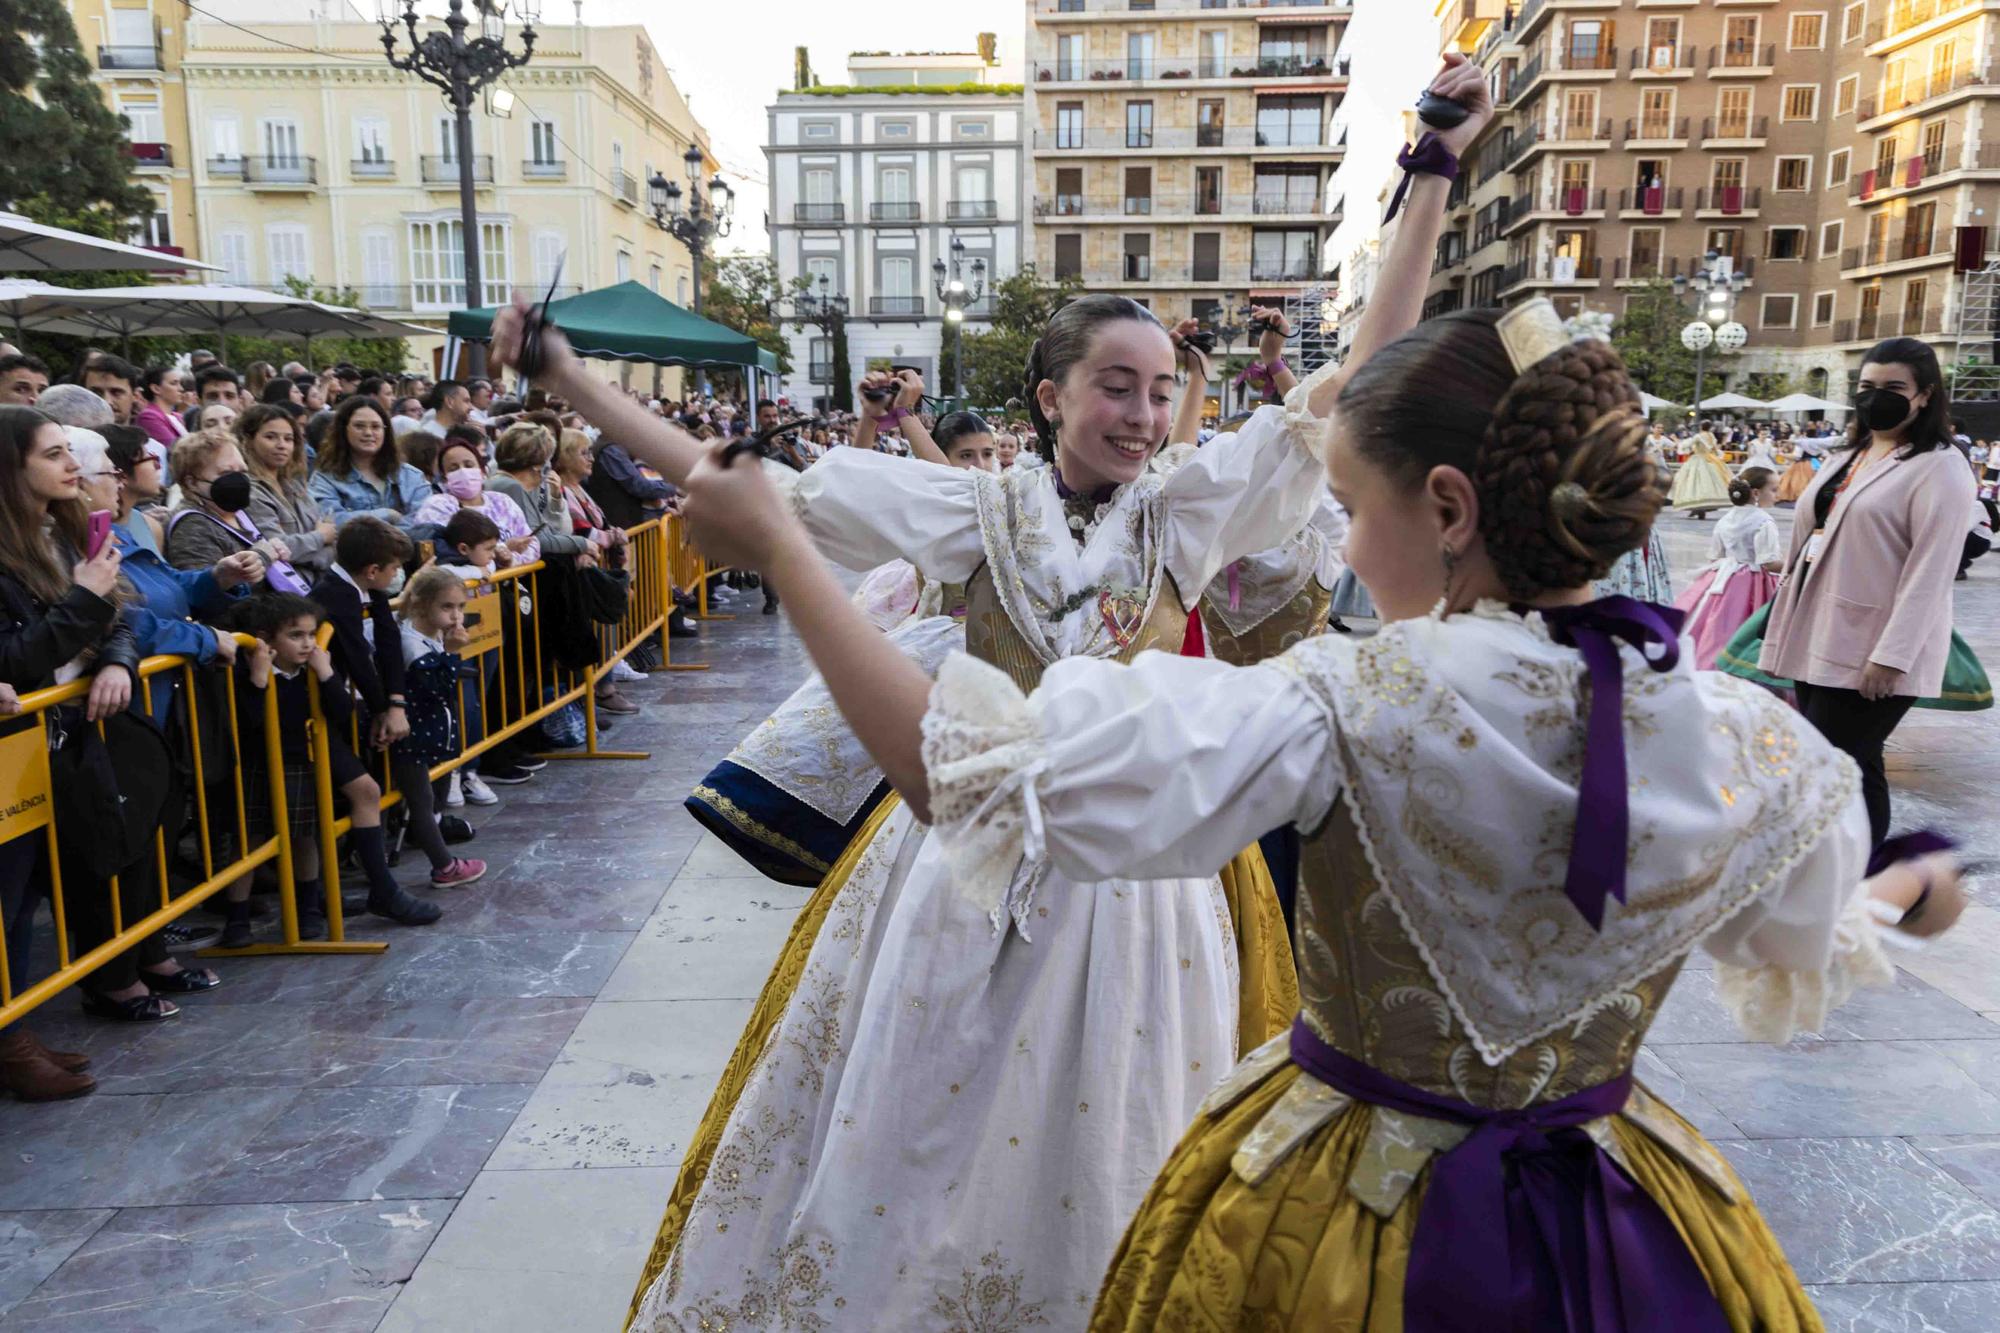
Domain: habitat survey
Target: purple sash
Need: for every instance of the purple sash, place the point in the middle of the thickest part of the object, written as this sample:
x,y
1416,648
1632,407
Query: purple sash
x,y
279,575
1528,1226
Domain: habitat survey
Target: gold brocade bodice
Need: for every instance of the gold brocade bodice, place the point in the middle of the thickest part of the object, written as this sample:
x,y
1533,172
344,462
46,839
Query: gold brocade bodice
x,y
1297,620
991,637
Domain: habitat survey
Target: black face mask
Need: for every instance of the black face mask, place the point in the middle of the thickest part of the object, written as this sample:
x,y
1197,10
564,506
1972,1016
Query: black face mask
x,y
230,492
1882,409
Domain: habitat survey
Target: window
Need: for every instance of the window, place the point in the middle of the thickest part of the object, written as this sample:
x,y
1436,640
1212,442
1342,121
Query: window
x,y
1887,149
1808,32
972,129
1139,48
1854,21
1069,191
1801,101
1794,173
653,279
1846,94
225,139
378,268
1895,80
142,115
1214,46
1069,256
1286,190
622,267
154,228
289,256
681,289
1580,114
893,129
1138,124
1832,235
1837,166
1138,190
1586,44
898,275
1945,66
1069,124
1786,243
232,251
1727,174
894,186
1739,46
1207,257
617,159
824,266
371,142
1288,122
818,185
1932,147
1208,123
972,183
1781,311
542,143
1138,252
1208,190
1915,293
818,131
132,27
437,263
1822,314
447,138
1069,57
1282,256
549,248
1656,113
281,143
1732,113
1663,40
1646,244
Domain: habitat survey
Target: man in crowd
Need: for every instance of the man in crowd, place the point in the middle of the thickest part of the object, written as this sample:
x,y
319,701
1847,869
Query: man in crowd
x,y
450,405
480,393
342,380
113,380
22,379
201,359
217,383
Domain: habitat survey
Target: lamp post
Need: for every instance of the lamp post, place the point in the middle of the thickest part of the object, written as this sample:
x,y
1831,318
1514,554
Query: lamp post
x,y
956,292
692,217
1716,286
461,67
1231,320
827,313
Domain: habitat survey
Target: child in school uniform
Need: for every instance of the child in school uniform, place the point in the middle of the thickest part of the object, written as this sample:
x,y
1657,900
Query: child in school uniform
x,y
432,632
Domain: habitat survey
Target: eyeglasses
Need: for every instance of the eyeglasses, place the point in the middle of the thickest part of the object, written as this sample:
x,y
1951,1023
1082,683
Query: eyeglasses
x,y
93,476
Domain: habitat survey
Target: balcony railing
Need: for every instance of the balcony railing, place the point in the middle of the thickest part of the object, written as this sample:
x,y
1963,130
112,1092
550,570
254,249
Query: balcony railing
x,y
1743,56
151,154
1141,69
1601,59
284,170
1645,268
971,210
1656,129
895,305
1657,199
1919,89
819,212
1904,324
537,168
371,168
1524,78
1585,270
901,210
1910,14
130,57
1738,262
1112,206
1662,59
444,293
1066,206
1919,168
1736,127
1580,131
1148,6
439,170
1180,138
1290,270
1910,243
1730,199
625,186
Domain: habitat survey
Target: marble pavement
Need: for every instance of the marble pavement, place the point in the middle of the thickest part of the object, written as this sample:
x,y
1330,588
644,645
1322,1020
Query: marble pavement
x,y
477,1130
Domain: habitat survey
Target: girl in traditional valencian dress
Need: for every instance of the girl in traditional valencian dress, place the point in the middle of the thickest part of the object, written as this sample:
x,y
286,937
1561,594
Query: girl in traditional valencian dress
x,y
1538,808
1702,483
1746,555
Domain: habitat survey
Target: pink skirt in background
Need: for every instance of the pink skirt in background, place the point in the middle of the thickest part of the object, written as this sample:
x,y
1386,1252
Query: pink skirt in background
x,y
1713,621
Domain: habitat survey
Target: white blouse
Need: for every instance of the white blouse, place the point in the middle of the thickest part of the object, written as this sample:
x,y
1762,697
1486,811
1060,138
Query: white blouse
x,y
1746,535
1456,743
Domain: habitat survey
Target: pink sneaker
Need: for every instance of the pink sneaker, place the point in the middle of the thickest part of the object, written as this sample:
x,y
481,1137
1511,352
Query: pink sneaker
x,y
459,873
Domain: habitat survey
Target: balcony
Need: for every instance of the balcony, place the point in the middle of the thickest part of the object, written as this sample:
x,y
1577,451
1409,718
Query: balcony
x,y
1063,206
1339,9
625,188
894,305
278,173
1643,269
1562,134
1664,62
1108,208
130,57
819,212
1655,202
1560,271
1919,95
1525,78
1180,139
1873,328
371,168
1737,264
1289,270
444,170
1907,20
900,210
1176,69
1577,203
1915,246
971,210
544,169
156,156
1735,132
1742,60
1920,171
1729,201
1661,132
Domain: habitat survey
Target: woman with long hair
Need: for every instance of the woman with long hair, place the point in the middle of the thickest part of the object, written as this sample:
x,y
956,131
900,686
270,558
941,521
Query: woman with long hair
x,y
281,502
1862,623
361,472
1450,1135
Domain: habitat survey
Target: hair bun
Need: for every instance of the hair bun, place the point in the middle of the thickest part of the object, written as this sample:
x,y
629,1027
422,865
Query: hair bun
x,y
1566,485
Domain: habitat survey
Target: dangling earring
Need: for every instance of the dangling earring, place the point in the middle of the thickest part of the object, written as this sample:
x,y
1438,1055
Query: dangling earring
x,y
1449,558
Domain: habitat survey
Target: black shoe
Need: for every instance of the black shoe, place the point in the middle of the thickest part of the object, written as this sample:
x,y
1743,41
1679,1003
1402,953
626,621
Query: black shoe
x,y
237,934
509,775
190,935
531,763
770,606
312,926
680,627
404,908
455,830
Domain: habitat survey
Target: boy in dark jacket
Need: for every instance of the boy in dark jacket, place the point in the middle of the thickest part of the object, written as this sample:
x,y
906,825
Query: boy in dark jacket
x,y
367,643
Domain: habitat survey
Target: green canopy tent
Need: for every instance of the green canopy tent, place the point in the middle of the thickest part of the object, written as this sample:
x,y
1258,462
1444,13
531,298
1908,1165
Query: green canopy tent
x,y
631,322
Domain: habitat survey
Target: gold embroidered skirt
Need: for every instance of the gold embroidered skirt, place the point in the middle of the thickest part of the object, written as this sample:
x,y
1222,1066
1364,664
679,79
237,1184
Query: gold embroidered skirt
x,y
1298,1250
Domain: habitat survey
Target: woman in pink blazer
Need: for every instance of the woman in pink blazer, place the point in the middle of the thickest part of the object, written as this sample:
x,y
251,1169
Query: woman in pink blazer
x,y
1863,619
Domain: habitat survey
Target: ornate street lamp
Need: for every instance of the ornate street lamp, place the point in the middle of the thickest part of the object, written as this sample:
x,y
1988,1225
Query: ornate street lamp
x,y
461,68
1716,286
958,286
692,217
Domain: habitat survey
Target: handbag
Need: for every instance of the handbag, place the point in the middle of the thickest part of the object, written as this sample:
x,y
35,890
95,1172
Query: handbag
x,y
1966,688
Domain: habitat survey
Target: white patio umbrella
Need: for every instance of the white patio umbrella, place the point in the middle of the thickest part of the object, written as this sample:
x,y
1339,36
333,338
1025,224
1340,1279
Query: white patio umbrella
x,y
1805,402
371,325
131,312
35,247
1728,401
1654,403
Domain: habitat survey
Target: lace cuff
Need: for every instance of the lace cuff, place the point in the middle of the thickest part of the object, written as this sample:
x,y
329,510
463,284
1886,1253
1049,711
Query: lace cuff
x,y
1307,429
983,753
1775,1004
787,482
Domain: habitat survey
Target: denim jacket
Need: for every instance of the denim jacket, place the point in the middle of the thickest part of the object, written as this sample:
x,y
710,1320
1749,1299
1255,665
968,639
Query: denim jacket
x,y
342,498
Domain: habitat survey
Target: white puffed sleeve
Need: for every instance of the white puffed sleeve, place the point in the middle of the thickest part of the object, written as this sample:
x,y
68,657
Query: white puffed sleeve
x,y
1246,492
1167,767
864,509
1769,546
1795,954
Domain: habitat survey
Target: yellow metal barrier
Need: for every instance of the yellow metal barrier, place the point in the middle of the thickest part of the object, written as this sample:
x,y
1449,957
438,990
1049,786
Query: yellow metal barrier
x,y
25,756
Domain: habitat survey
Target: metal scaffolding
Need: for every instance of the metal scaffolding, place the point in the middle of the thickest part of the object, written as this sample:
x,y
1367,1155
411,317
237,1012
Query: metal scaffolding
x,y
1977,374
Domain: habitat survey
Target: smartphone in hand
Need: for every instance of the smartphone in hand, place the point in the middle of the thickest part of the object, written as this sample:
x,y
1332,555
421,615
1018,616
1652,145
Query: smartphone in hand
x,y
100,533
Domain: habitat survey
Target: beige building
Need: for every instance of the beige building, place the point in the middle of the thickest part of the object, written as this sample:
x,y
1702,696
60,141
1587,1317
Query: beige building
x,y
1181,151
136,49
290,148
1842,156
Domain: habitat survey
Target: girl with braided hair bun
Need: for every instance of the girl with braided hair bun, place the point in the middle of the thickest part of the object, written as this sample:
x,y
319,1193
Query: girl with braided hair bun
x,y
1532,808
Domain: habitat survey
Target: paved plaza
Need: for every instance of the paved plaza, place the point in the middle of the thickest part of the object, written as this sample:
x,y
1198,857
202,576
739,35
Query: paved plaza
x,y
477,1130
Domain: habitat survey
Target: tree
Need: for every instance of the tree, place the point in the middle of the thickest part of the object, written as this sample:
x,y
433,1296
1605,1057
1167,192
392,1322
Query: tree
x,y
743,293
1648,336
840,394
78,173
996,361
1768,386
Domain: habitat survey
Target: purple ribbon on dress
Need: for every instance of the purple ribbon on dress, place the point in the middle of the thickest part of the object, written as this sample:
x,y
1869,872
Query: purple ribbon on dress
x,y
1527,1226
1908,847
1103,495
1598,844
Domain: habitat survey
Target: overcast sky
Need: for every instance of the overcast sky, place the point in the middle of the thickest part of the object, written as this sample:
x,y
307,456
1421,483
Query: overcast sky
x,y
731,57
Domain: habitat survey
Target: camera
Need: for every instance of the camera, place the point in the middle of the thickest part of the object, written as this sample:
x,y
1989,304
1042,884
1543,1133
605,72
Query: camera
x,y
1202,340
1258,328
881,393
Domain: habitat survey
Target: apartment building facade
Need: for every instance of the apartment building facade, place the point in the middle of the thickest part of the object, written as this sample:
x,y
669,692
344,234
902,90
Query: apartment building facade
x,y
285,146
913,160
1183,151
136,51
1843,157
